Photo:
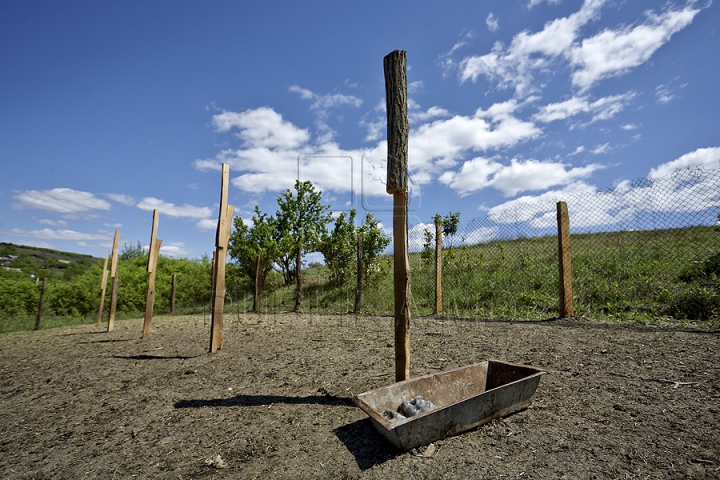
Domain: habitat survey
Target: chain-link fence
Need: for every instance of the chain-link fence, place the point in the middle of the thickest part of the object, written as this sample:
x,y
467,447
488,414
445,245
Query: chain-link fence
x,y
644,250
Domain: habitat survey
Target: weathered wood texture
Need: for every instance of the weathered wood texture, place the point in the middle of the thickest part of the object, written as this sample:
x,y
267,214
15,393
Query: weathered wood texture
x,y
172,293
564,261
40,305
150,300
153,253
103,288
358,289
397,181
438,268
395,66
222,238
116,283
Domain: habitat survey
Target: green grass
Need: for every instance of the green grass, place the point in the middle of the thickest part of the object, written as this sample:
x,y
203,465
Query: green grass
x,y
657,277
646,276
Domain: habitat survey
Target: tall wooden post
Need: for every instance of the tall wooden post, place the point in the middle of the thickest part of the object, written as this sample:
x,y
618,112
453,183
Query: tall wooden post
x,y
564,262
116,282
153,253
172,294
398,125
40,305
358,289
221,245
103,288
438,268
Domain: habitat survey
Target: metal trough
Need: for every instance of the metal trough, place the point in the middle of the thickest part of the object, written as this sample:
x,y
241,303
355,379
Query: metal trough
x,y
465,397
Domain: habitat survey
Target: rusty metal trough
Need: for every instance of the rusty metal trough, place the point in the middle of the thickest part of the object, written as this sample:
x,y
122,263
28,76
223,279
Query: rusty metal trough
x,y
465,398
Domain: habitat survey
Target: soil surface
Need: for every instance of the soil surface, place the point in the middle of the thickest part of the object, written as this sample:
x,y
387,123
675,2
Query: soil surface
x,y
618,401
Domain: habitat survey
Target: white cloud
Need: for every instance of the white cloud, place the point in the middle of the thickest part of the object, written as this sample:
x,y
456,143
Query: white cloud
x,y
663,94
511,179
668,190
538,2
600,149
323,102
514,66
61,200
707,158
615,52
630,126
492,22
59,234
610,53
172,210
262,127
120,198
602,109
174,249
206,224
53,223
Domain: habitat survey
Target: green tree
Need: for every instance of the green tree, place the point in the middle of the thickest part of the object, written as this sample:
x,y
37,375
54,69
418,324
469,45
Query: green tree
x,y
301,224
340,248
374,243
247,243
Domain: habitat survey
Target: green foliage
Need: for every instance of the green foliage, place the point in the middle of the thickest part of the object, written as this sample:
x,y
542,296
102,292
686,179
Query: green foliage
x,y
247,243
340,248
301,219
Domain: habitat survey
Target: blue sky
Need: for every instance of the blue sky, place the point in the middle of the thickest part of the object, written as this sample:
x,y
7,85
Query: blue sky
x,y
111,109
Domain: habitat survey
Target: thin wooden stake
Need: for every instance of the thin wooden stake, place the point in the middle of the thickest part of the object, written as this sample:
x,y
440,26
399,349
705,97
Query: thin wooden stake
x,y
438,268
564,260
153,253
116,283
358,289
103,288
256,294
40,305
398,125
172,294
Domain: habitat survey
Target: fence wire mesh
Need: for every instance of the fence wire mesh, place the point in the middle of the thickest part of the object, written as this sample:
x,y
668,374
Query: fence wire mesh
x,y
647,249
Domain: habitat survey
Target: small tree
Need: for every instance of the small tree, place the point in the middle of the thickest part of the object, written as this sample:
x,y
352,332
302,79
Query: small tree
x,y
374,242
247,243
338,248
301,225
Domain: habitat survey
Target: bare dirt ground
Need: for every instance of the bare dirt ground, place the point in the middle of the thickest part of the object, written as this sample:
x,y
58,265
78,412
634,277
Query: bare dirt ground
x,y
618,401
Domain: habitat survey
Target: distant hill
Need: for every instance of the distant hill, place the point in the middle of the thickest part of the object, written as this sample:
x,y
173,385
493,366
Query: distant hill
x,y
44,262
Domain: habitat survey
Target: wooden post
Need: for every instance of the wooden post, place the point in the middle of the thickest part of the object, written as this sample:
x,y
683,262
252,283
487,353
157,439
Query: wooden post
x,y
564,261
103,288
358,290
116,283
40,305
398,125
153,253
438,268
256,294
221,244
172,294
298,279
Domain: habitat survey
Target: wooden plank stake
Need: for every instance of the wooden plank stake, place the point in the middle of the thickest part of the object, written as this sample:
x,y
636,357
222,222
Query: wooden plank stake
x,y
256,294
116,282
398,125
153,253
221,245
564,261
103,288
438,268
358,289
40,305
172,294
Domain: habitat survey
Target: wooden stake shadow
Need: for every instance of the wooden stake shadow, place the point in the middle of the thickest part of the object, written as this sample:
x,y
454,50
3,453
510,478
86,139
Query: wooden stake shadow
x,y
154,357
365,444
257,400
